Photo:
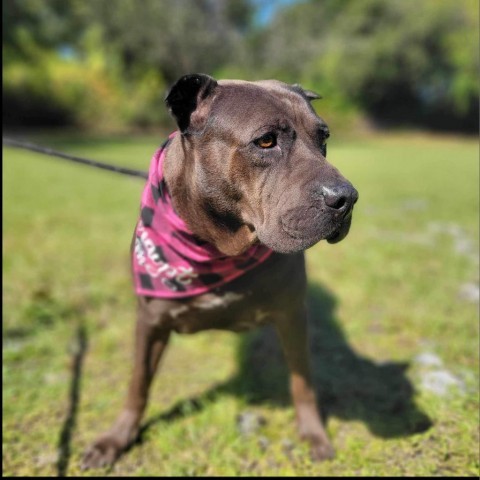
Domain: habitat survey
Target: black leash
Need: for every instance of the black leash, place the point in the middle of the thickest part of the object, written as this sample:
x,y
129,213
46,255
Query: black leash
x,y
85,161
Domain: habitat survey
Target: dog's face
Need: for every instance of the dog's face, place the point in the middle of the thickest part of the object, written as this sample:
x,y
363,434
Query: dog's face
x,y
258,165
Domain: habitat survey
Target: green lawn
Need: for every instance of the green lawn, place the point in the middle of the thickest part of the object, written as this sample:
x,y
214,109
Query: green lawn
x,y
402,285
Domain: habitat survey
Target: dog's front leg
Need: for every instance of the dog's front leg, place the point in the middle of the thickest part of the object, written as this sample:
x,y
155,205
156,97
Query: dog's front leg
x,y
292,330
150,344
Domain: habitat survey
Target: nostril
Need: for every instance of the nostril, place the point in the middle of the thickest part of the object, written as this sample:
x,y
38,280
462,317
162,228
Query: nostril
x,y
339,203
341,197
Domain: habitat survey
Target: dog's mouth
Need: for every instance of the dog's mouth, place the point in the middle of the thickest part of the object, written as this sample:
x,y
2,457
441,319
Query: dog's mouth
x,y
295,233
333,234
340,233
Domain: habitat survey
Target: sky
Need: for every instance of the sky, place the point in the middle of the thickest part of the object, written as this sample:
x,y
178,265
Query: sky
x,y
267,9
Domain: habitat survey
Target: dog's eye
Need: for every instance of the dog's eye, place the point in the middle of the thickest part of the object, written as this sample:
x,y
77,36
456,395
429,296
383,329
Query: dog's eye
x,y
269,140
323,134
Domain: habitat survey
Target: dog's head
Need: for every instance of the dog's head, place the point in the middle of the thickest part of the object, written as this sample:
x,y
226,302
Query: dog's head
x,y
253,166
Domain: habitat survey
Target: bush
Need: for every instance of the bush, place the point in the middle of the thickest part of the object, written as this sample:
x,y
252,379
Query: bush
x,y
67,90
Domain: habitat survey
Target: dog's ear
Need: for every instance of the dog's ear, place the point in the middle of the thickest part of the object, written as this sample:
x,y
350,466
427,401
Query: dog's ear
x,y
308,94
189,100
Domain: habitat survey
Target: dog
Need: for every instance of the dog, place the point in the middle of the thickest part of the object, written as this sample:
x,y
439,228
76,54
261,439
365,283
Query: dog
x,y
232,201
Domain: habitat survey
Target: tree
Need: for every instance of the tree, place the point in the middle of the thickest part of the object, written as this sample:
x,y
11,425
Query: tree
x,y
175,36
29,25
400,60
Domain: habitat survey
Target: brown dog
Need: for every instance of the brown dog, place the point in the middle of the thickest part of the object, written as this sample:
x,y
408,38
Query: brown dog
x,y
248,167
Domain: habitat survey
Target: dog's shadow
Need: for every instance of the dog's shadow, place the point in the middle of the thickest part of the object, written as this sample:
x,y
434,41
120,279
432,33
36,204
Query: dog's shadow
x,y
349,386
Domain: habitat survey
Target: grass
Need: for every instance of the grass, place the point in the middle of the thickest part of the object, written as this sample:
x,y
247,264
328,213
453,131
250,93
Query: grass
x,y
390,292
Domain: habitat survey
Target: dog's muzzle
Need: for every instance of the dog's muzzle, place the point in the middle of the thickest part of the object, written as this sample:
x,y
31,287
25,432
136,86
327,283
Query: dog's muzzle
x,y
329,217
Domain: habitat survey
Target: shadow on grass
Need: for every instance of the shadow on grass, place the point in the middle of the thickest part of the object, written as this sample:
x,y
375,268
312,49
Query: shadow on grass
x,y
78,353
349,386
353,387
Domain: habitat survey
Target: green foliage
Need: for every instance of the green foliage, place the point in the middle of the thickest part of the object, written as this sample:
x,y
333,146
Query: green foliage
x,y
87,64
413,61
398,61
173,36
45,24
86,90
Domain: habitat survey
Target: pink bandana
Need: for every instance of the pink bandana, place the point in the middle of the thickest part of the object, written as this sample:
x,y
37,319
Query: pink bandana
x,y
169,261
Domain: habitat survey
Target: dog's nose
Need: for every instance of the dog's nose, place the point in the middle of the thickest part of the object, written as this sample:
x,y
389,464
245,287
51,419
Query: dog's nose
x,y
340,197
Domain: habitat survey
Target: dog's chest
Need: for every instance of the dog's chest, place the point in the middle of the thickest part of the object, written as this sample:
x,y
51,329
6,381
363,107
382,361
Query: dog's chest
x,y
231,310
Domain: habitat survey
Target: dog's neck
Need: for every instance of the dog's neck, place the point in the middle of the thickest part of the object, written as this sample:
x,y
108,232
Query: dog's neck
x,y
223,229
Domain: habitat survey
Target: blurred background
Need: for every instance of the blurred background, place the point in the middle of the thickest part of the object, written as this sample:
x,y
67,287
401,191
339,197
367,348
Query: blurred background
x,y
106,65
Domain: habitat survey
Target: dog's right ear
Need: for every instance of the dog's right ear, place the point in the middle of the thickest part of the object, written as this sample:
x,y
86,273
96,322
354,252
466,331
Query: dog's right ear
x,y
308,94
189,101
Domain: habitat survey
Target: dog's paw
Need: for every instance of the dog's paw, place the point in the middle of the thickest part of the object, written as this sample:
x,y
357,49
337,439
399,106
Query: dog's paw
x,y
102,453
321,450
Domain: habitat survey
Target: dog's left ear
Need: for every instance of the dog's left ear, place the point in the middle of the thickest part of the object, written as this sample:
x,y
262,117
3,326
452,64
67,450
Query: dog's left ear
x,y
308,94
189,100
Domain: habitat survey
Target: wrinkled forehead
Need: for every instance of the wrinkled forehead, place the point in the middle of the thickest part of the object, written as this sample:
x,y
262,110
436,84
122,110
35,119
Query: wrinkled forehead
x,y
249,106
